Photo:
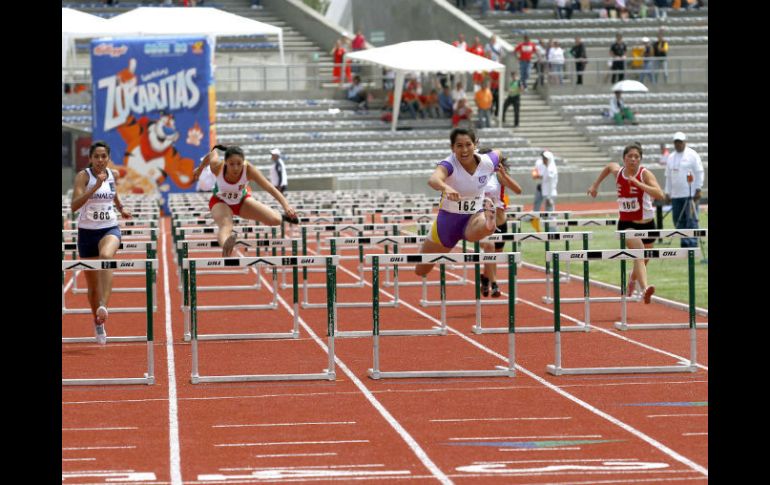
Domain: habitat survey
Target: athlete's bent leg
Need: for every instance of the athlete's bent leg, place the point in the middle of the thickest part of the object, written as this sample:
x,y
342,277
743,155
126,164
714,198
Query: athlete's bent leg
x,y
429,246
257,211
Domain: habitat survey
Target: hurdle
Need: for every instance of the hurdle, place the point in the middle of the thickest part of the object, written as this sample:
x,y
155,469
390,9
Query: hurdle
x,y
330,262
596,222
660,235
181,233
622,255
150,266
441,259
186,297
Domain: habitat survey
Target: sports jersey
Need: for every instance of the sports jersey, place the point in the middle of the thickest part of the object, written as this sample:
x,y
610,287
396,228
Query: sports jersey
x,y
231,194
99,212
634,204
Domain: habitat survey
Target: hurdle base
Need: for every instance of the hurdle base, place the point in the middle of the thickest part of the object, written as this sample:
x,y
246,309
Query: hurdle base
x,y
658,326
500,372
459,282
480,330
429,303
350,304
76,340
107,382
246,336
558,371
595,299
228,288
368,333
266,306
330,376
82,311
80,291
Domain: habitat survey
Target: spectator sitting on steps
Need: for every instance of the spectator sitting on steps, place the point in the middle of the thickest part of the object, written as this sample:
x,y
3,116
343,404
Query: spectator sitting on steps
x,y
620,112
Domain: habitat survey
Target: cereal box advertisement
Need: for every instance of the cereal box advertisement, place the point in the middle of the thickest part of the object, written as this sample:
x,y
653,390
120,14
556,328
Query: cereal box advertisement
x,y
153,103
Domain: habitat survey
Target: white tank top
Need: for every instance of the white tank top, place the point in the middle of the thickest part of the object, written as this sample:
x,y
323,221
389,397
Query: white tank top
x,y
231,194
470,186
99,212
493,190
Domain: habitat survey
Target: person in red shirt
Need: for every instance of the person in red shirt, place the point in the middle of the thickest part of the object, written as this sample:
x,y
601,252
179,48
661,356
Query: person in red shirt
x,y
636,187
338,52
524,51
460,42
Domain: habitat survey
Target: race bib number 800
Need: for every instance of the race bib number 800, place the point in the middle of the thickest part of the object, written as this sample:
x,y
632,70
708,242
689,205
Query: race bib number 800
x,y
101,212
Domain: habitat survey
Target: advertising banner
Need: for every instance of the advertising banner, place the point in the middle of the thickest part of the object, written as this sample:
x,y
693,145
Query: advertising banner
x,y
154,103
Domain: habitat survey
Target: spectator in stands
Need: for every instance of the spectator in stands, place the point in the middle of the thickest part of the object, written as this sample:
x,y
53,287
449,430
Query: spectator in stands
x,y
556,63
649,61
460,4
494,49
541,62
445,102
338,52
458,93
524,51
635,8
278,176
684,181
548,175
660,51
609,9
660,5
411,96
358,44
94,195
636,187
637,59
563,9
464,212
484,7
483,99
460,42
578,52
494,86
233,194
513,98
388,79
620,6
430,104
461,112
358,95
618,54
619,112
256,4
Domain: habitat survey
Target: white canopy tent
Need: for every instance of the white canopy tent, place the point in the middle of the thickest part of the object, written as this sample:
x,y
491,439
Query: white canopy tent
x,y
150,21
79,25
425,56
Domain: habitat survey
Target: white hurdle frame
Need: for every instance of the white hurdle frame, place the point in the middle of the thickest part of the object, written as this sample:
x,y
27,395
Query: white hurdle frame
x,y
658,234
150,266
330,262
623,255
441,259
186,245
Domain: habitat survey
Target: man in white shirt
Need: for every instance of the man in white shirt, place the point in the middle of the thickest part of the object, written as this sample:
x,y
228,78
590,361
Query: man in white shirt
x,y
684,180
547,176
278,171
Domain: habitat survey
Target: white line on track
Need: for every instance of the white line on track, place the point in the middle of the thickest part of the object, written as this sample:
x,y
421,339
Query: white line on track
x,y
363,465
330,423
100,429
560,448
496,419
566,460
695,434
173,416
675,415
654,443
282,455
481,438
410,441
75,448
78,459
277,443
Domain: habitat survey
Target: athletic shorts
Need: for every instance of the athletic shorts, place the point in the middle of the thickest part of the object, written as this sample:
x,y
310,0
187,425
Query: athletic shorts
x,y
235,208
88,240
449,228
642,226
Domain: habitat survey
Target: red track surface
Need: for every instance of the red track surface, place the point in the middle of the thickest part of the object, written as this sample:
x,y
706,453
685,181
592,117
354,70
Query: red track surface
x,y
532,428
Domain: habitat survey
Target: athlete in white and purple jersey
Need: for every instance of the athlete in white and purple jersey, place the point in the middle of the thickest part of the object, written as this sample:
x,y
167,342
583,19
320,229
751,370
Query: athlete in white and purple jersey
x,y
464,212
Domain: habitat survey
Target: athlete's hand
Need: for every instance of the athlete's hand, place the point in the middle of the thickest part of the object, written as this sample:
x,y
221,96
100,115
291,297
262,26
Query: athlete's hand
x,y
451,194
99,180
592,191
125,213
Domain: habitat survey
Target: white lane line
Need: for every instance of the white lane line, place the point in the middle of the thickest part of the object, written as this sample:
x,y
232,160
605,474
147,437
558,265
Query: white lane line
x,y
78,459
654,443
100,429
317,467
282,455
391,420
566,460
461,420
482,438
560,448
330,423
675,415
695,434
278,443
173,415
75,448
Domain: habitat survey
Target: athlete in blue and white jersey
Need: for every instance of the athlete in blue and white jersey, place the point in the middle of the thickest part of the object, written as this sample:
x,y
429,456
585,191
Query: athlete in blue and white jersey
x,y
94,195
464,212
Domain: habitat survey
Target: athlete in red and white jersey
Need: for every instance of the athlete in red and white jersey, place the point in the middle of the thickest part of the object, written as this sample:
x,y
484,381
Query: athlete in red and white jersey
x,y
495,191
232,196
636,187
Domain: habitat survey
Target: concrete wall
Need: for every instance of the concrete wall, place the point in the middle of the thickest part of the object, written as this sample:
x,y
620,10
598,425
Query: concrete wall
x,y
312,24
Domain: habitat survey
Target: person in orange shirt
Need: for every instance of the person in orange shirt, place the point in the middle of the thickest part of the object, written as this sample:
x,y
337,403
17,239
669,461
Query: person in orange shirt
x,y
483,99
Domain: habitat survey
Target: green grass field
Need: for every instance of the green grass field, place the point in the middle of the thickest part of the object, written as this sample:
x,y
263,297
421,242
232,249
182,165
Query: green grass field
x,y
668,275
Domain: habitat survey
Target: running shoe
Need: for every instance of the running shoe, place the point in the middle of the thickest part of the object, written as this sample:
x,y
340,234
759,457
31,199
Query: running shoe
x,y
495,290
489,214
101,315
227,247
648,293
101,334
484,286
